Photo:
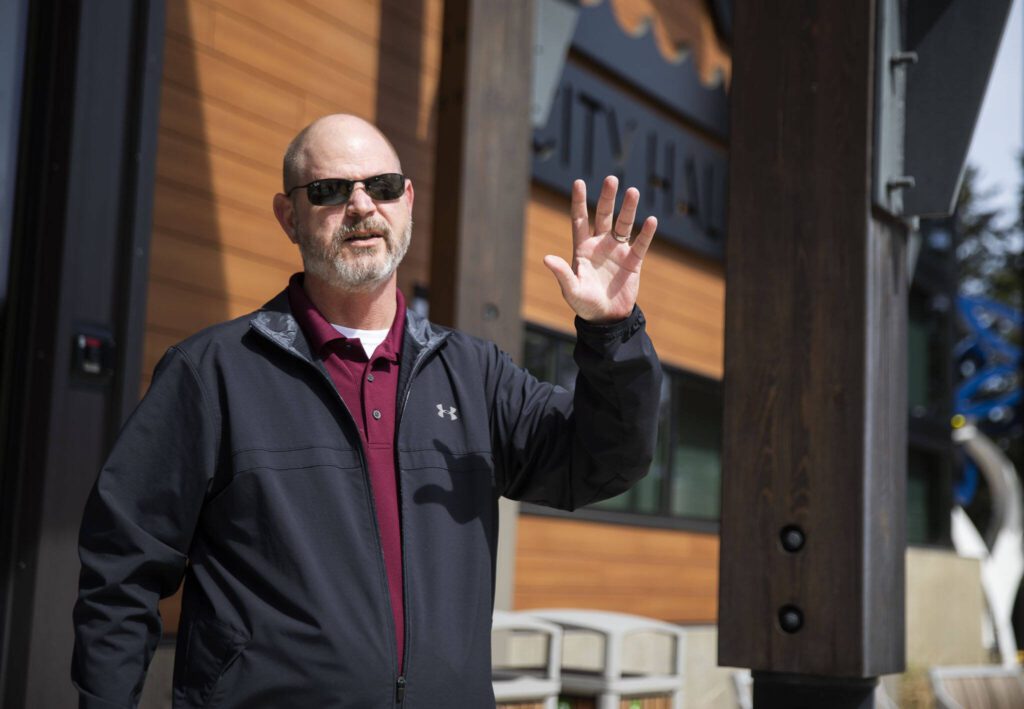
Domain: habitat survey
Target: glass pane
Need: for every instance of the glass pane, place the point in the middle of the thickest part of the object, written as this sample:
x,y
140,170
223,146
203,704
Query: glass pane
x,y
688,450
929,373
13,19
538,356
565,365
650,489
919,330
922,475
696,459
647,492
646,496
621,503
696,492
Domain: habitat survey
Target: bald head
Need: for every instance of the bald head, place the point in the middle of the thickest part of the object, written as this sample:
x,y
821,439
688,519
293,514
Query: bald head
x,y
339,131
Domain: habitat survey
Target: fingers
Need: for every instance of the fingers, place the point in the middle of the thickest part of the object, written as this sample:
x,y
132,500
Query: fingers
x,y
643,239
578,213
624,224
604,212
563,274
606,205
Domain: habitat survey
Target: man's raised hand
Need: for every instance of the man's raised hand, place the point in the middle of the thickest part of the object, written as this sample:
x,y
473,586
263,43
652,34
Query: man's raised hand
x,y
604,279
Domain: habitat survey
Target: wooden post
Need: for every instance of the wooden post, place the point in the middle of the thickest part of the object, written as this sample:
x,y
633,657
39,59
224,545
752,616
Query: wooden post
x,y
481,184
813,530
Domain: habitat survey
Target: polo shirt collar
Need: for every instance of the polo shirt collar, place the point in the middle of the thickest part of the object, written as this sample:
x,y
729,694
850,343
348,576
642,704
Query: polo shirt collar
x,y
320,333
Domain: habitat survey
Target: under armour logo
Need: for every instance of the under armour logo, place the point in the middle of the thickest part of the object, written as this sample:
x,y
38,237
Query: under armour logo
x,y
442,412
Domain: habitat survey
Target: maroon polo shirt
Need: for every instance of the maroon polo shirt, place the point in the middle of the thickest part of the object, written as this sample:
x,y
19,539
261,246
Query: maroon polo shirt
x,y
369,388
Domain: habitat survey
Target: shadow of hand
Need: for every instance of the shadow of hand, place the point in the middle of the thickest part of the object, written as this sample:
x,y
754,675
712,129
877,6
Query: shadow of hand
x,y
471,485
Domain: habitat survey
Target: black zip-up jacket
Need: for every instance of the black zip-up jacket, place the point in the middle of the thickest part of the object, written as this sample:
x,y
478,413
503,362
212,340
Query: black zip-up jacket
x,y
243,472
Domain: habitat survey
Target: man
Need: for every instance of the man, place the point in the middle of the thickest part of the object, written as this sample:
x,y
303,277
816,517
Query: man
x,y
324,473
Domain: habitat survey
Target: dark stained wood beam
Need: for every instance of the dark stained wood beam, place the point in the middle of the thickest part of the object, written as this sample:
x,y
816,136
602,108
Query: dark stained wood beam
x,y
815,358
481,187
482,173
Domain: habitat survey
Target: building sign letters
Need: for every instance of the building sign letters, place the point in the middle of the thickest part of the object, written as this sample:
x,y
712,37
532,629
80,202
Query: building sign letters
x,y
596,129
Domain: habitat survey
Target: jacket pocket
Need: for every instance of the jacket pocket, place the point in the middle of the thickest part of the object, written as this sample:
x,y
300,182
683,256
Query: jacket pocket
x,y
211,647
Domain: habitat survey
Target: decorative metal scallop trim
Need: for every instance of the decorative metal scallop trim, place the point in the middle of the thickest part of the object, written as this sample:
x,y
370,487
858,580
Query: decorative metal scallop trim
x,y
637,60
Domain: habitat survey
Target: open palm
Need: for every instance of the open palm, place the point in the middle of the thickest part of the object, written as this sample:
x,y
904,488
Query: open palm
x,y
602,284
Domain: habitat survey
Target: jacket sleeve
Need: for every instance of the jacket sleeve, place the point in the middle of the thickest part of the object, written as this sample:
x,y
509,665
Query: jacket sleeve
x,y
569,450
136,531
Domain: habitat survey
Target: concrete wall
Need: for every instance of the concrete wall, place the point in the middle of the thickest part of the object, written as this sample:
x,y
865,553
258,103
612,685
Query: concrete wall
x,y
706,685
944,609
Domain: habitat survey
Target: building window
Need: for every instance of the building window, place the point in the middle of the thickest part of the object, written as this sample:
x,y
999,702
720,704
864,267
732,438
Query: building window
x,y
930,452
928,376
684,482
928,500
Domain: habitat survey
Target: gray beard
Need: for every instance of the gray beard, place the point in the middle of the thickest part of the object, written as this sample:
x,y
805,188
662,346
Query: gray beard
x,y
358,273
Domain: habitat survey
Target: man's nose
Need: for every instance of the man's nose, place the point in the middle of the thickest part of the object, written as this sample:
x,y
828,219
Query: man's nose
x,y
360,203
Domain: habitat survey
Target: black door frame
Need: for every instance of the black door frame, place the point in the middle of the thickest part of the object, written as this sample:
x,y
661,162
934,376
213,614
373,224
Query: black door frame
x,y
78,263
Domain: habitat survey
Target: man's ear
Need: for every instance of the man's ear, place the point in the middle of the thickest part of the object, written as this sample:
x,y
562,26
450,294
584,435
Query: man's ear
x,y
284,210
409,193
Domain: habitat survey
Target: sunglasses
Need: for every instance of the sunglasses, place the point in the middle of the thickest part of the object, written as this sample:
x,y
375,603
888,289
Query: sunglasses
x,y
338,190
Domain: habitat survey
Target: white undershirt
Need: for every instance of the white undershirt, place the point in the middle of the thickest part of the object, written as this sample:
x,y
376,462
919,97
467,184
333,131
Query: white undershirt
x,y
369,338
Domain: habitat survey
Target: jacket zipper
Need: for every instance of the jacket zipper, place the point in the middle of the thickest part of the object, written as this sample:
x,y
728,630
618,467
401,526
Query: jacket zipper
x,y
400,681
428,349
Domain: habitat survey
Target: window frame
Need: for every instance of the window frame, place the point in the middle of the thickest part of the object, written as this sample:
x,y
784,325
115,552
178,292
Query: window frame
x,y
928,431
679,378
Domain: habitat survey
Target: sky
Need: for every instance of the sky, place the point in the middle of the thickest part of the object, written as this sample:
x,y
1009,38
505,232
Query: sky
x,y
999,134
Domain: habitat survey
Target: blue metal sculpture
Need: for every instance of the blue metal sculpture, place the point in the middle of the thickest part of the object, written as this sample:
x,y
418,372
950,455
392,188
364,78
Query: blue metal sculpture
x,y
990,393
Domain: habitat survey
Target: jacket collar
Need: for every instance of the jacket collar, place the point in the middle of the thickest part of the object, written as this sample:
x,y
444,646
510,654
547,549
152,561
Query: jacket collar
x,y
275,322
